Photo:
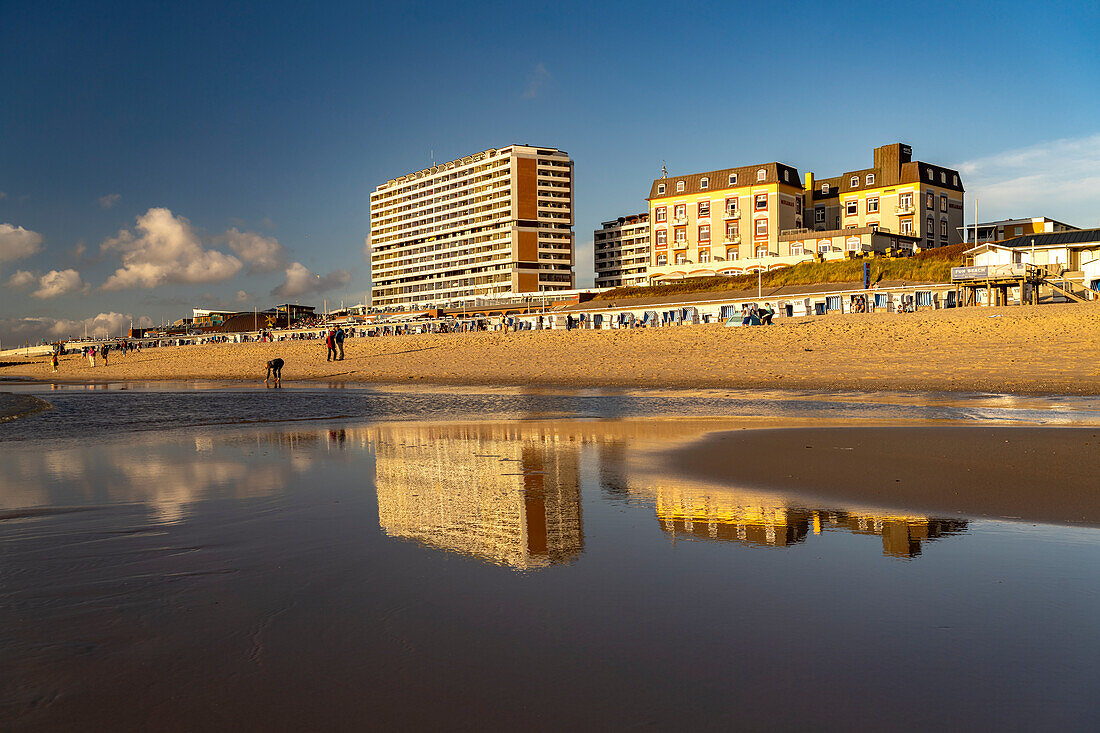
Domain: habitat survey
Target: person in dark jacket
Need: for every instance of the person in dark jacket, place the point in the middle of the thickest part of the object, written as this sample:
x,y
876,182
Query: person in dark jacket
x,y
338,337
275,367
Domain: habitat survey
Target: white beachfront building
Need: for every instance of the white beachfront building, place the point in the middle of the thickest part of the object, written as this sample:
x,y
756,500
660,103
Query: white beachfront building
x,y
1075,254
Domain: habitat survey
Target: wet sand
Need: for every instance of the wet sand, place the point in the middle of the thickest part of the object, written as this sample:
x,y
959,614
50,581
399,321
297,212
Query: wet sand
x,y
1025,350
15,406
1024,473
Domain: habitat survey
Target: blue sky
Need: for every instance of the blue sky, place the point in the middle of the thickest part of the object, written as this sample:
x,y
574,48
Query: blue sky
x,y
223,153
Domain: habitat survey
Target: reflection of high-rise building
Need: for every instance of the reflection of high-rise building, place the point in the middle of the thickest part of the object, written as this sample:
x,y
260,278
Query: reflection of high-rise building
x,y
512,500
750,519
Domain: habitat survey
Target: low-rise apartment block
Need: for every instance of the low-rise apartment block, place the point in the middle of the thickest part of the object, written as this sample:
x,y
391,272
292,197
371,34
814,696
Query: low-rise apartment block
x,y
495,222
621,251
999,231
762,217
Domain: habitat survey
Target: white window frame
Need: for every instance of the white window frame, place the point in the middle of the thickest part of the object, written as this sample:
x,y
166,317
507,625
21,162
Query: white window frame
x,y
660,189
825,188
907,226
756,228
732,254
761,175
679,186
733,179
700,208
854,183
704,183
662,237
819,215
756,202
870,179
660,214
868,206
704,228
851,208
662,259
679,211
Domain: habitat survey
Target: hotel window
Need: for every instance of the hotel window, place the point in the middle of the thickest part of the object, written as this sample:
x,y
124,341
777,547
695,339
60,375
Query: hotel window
x,y
733,179
761,251
870,179
943,177
872,206
943,229
661,214
907,227
731,206
797,249
819,215
704,233
851,208
786,175
679,186
928,172
931,200
824,188
662,238
662,260
732,230
681,259
761,227
704,208
704,183
905,201
798,204
660,189
930,229
1019,231
761,174
704,255
682,235
943,202
680,212
854,182
761,202
731,254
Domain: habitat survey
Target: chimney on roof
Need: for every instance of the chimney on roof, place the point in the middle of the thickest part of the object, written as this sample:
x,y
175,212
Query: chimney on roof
x,y
889,160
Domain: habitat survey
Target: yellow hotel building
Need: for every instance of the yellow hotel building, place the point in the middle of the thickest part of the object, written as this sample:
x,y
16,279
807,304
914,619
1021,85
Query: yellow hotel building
x,y
738,220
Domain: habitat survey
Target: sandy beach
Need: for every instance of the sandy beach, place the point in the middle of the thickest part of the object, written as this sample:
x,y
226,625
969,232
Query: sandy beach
x,y
1027,350
1018,473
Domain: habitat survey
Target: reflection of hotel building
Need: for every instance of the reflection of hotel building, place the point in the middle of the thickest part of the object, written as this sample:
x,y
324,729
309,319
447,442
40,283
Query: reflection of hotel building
x,y
621,251
495,222
737,220
726,516
510,501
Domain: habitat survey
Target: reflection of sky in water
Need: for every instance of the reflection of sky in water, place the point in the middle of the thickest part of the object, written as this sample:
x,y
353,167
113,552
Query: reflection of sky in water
x,y
364,572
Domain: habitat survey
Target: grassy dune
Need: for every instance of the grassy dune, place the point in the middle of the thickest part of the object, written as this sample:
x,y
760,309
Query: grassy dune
x,y
933,265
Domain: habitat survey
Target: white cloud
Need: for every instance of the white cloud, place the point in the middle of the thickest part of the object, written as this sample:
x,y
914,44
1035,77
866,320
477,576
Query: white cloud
x,y
165,249
21,280
34,329
1059,179
243,296
109,200
263,254
58,282
535,80
17,243
300,280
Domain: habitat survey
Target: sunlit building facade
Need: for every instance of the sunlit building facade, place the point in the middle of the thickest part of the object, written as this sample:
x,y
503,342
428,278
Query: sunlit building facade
x,y
621,251
495,222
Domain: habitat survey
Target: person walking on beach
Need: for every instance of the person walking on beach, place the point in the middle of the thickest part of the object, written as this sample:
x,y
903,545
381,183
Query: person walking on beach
x,y
275,367
91,355
53,360
338,337
330,345
106,348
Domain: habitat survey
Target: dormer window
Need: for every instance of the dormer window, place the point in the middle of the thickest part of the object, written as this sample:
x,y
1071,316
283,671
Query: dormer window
x,y
854,182
928,172
679,186
943,177
825,188
733,179
955,180
786,176
660,189
761,174
870,179
704,183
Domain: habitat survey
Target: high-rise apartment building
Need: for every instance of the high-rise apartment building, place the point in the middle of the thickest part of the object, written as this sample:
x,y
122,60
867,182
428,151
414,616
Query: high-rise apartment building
x,y
495,222
621,251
